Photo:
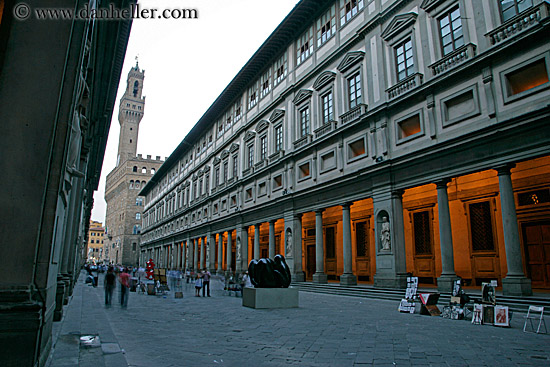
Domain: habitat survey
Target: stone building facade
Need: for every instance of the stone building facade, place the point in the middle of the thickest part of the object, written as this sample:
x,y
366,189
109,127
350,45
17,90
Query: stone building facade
x,y
370,140
96,234
124,205
58,85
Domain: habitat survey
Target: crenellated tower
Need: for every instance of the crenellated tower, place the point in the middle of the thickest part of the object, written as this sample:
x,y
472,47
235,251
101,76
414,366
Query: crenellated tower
x,y
131,109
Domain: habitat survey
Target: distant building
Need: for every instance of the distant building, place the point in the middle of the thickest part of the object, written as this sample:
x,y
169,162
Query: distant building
x,y
58,85
370,140
124,206
95,241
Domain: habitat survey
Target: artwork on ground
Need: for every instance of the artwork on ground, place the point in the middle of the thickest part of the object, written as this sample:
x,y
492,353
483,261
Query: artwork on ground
x,y
267,273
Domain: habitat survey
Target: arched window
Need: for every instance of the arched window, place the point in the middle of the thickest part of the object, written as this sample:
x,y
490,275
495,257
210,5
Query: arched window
x,y
144,170
138,216
136,85
131,184
142,183
152,171
135,169
137,184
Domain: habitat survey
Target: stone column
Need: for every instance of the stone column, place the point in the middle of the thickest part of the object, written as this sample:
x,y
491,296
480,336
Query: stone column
x,y
244,249
229,271
257,241
319,276
348,278
210,248
220,253
271,239
391,265
202,264
448,275
299,274
515,283
186,255
195,254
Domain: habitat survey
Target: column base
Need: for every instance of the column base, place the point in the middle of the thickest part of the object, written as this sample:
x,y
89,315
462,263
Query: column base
x,y
59,300
348,279
299,277
516,286
397,281
220,272
320,278
445,283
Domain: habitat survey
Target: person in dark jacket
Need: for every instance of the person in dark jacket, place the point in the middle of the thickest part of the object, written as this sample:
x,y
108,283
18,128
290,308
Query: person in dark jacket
x,y
109,285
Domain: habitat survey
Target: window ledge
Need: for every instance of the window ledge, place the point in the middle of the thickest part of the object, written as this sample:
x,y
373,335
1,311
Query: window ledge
x,y
260,164
353,114
248,171
404,86
325,129
276,156
519,23
453,59
303,141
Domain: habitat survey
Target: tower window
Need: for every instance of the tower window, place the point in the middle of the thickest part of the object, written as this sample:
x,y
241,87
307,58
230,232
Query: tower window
x,y
130,140
144,170
134,169
136,84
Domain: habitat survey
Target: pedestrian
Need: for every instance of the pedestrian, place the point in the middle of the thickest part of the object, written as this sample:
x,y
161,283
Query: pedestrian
x,y
124,278
206,282
198,285
187,275
109,283
246,280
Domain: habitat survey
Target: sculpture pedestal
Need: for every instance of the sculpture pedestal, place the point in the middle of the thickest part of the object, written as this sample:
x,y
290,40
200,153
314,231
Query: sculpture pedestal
x,y
270,297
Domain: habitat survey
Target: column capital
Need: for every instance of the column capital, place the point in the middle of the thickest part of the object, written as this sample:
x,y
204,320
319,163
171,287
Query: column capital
x,y
272,221
319,211
442,183
397,193
298,216
257,225
504,169
347,205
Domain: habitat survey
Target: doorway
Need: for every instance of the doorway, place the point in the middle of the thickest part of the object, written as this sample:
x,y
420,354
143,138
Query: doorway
x,y
536,240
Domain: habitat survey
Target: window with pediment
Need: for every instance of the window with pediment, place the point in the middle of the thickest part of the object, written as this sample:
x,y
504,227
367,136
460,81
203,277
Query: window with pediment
x,y
450,31
279,138
511,8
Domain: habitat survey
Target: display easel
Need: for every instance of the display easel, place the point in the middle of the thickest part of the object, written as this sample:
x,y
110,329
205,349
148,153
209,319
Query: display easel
x,y
408,304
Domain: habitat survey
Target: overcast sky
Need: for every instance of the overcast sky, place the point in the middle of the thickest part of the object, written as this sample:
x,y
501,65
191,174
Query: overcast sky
x,y
187,63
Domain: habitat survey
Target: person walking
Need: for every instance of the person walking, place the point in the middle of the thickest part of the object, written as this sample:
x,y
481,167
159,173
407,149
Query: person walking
x,y
109,283
206,282
124,279
198,285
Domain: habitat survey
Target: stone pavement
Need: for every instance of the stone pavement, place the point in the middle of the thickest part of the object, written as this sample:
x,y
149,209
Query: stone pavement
x,y
326,330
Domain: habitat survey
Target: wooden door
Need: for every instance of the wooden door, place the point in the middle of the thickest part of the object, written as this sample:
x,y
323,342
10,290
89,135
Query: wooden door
x,y
536,240
424,259
310,261
362,250
330,252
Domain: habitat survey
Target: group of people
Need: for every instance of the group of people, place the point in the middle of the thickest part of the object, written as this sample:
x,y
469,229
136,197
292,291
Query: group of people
x,y
203,282
110,284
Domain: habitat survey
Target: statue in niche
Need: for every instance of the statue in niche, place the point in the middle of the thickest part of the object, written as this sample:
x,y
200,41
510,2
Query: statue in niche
x,y
385,238
207,251
267,273
238,249
289,242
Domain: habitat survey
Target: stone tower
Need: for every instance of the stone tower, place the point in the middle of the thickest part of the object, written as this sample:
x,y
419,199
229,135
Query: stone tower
x,y
125,181
131,109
